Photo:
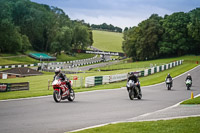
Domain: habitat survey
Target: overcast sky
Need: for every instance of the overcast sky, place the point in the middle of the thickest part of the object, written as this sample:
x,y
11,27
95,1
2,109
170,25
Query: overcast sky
x,y
121,13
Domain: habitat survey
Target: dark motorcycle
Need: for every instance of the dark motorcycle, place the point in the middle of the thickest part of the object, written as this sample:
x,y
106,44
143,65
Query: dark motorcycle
x,y
61,91
133,90
168,83
188,83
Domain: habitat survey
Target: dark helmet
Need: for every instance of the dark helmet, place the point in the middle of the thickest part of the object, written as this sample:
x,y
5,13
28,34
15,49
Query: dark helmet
x,y
57,71
131,73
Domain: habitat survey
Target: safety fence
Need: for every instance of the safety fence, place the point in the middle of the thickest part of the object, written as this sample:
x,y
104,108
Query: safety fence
x,y
51,64
4,87
77,82
99,80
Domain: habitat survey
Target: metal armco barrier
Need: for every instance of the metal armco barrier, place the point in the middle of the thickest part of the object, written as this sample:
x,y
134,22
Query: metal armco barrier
x,y
89,81
98,80
117,77
14,86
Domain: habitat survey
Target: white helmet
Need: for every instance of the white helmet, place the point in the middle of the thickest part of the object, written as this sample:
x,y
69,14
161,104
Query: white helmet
x,y
57,71
188,74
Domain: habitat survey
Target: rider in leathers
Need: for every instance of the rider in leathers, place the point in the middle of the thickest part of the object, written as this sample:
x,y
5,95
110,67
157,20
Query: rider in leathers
x,y
63,77
168,76
136,81
189,77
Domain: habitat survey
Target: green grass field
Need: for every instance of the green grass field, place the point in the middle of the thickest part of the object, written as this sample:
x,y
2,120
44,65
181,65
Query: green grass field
x,y
10,59
107,41
145,64
64,57
39,84
184,125
17,60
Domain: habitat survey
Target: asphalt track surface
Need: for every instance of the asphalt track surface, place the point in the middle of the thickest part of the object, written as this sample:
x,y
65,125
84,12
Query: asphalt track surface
x,y
43,115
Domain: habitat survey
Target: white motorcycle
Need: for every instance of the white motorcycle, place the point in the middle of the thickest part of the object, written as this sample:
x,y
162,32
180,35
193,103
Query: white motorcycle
x,y
168,83
133,90
188,83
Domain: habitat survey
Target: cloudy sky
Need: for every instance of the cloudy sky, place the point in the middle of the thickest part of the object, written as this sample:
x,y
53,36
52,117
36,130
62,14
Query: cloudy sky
x,y
121,13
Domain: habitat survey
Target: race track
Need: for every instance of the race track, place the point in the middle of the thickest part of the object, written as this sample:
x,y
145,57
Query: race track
x,y
43,115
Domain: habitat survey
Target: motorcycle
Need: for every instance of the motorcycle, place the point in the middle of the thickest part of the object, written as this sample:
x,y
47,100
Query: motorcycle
x,y
61,91
168,83
188,83
133,90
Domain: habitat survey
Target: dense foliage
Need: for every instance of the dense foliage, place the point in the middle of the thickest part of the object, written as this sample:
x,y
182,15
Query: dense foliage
x,y
174,35
27,25
106,27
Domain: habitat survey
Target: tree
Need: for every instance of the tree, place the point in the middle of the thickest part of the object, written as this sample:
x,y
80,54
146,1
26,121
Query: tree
x,y
194,30
107,27
142,41
10,37
130,42
26,45
62,40
81,37
175,38
24,23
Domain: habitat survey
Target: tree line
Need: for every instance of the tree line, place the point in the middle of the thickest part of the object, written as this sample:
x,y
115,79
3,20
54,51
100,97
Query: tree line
x,y
106,27
172,35
27,25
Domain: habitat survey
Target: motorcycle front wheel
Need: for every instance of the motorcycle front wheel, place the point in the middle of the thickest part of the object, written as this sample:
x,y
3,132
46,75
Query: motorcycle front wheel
x,y
71,95
168,86
188,87
131,94
57,96
139,96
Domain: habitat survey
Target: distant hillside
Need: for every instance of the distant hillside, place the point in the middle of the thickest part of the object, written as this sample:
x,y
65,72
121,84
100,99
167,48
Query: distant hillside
x,y
106,27
108,41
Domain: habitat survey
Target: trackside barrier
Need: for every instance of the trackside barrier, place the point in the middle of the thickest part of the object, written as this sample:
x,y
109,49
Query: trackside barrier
x,y
98,80
40,64
14,86
106,79
77,81
92,81
89,81
117,77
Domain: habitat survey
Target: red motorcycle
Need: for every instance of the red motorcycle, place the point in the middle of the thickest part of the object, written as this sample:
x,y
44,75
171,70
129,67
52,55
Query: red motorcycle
x,y
61,91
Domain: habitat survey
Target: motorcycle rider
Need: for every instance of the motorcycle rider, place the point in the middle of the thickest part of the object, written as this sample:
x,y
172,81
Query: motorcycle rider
x,y
133,77
189,77
63,77
170,78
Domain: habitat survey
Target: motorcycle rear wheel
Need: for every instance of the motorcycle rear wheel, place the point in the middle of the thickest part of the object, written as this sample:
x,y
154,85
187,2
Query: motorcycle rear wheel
x,y
71,95
57,97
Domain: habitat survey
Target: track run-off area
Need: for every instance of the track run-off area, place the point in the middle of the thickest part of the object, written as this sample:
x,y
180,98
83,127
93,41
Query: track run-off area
x,y
43,115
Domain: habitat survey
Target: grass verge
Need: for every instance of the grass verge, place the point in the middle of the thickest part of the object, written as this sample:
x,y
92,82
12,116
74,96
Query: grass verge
x,y
126,64
184,125
192,101
39,84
